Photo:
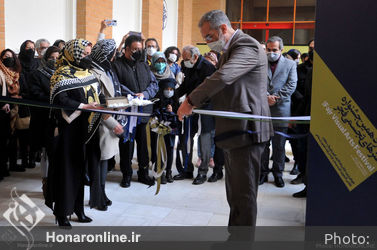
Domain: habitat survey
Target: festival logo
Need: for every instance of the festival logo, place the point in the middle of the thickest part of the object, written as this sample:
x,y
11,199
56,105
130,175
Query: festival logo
x,y
23,214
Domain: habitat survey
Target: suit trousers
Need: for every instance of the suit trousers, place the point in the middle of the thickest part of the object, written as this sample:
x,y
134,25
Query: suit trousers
x,y
278,156
242,169
205,150
126,152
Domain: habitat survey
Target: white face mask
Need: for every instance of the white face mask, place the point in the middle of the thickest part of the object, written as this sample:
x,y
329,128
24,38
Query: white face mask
x,y
218,45
189,64
172,57
272,56
43,52
151,51
168,93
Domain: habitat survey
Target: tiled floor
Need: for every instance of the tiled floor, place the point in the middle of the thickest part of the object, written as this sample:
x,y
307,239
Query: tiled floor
x,y
178,204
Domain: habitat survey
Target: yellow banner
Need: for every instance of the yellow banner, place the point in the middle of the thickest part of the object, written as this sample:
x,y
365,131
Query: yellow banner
x,y
341,129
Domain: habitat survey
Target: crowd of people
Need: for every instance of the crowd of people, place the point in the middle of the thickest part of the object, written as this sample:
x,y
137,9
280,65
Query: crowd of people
x,y
77,148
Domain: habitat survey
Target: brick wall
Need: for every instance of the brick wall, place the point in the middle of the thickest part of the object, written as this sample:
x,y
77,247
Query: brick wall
x,y
184,23
2,25
90,13
152,19
199,7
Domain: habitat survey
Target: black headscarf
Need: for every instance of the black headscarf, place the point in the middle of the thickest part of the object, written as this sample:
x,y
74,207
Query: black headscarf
x,y
27,60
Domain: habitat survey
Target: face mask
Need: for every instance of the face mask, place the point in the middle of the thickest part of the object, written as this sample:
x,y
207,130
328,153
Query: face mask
x,y
51,64
136,55
8,62
160,67
297,61
188,64
273,57
172,57
168,93
30,53
151,51
43,52
219,44
85,63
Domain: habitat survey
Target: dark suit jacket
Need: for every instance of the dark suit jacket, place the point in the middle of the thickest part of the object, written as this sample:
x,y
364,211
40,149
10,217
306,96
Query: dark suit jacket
x,y
239,85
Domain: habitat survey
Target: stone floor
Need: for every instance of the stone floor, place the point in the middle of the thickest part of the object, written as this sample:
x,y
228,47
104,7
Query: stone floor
x,y
178,204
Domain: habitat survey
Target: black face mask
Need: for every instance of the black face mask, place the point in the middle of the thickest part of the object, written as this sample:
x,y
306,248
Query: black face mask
x,y
30,53
8,62
51,64
136,55
85,63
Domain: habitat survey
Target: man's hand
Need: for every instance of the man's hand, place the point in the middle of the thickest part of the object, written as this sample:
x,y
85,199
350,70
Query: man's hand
x,y
6,108
139,95
103,26
118,130
272,99
184,109
169,108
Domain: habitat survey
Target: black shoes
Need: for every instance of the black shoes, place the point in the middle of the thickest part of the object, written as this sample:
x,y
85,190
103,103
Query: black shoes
x,y
301,194
298,180
184,175
294,170
108,202
81,217
215,176
169,177
145,179
279,182
63,222
263,178
126,181
200,179
163,179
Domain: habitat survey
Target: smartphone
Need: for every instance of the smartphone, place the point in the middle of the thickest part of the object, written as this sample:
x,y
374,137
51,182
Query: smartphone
x,y
111,22
134,33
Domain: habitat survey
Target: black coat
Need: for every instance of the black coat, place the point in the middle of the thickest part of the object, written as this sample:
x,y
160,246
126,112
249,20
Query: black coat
x,y
298,97
195,76
39,90
138,78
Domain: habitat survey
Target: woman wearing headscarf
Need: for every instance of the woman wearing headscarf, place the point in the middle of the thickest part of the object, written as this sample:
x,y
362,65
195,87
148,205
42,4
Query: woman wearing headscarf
x,y
160,68
10,69
13,79
73,87
39,122
161,71
103,53
29,64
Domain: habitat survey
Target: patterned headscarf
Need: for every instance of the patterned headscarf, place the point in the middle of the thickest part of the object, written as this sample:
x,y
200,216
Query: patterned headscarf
x,y
69,76
103,51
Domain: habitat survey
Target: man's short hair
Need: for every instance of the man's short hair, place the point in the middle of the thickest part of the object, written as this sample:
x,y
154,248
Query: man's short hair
x,y
131,39
276,39
192,49
152,39
39,41
215,18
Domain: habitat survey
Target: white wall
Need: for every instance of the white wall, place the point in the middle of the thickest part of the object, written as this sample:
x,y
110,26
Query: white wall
x,y
35,19
170,33
128,14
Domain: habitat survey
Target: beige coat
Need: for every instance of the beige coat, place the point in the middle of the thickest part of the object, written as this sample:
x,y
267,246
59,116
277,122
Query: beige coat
x,y
239,85
108,140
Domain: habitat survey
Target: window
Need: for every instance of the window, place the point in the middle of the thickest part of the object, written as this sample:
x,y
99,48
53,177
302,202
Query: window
x,y
292,20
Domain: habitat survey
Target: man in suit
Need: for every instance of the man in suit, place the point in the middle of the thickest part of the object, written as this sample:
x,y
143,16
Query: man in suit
x,y
239,85
282,80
